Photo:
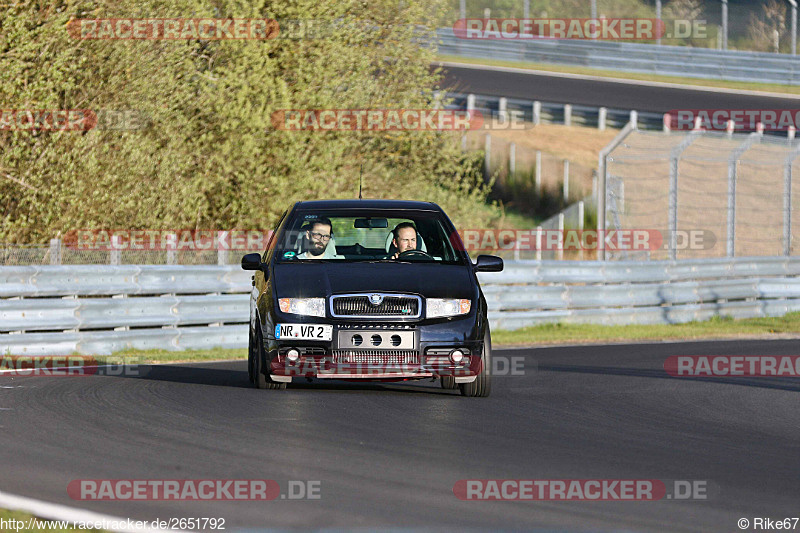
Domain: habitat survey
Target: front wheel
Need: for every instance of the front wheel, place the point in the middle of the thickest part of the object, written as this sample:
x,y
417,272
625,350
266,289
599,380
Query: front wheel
x,y
449,382
482,386
261,378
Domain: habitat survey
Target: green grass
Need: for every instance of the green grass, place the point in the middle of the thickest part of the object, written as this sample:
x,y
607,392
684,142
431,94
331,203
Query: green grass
x,y
165,356
735,85
716,328
6,515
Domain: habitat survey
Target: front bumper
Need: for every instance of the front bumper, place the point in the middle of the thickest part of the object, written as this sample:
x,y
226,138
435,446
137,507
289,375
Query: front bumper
x,y
422,351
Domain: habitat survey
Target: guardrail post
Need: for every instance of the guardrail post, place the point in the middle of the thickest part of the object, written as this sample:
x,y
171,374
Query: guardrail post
x,y
790,134
115,257
560,252
512,159
55,251
602,115
487,156
565,192
538,177
470,103
667,123
503,109
634,119
568,114
537,113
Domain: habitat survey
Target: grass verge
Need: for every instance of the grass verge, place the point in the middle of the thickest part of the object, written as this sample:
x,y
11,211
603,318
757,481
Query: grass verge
x,y
734,85
39,525
716,328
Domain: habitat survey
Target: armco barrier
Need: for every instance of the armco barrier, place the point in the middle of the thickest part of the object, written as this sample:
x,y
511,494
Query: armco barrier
x,y
47,310
684,61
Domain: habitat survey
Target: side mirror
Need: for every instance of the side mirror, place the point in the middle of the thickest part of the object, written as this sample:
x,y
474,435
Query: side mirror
x,y
252,262
489,263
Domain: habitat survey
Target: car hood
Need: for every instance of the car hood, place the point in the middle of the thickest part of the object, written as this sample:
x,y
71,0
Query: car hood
x,y
430,280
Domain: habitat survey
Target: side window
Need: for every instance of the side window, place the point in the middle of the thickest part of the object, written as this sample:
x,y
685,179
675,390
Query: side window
x,y
273,238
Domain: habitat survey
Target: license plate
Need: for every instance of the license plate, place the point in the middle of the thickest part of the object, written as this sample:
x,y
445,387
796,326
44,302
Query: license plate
x,y
304,332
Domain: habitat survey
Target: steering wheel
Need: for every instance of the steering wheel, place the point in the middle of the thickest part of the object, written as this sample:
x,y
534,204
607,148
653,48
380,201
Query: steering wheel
x,y
412,253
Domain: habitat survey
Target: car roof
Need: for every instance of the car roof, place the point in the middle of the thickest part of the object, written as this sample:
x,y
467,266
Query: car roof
x,y
367,204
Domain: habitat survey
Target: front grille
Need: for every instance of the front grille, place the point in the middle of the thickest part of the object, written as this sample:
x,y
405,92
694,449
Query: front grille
x,y
376,357
391,306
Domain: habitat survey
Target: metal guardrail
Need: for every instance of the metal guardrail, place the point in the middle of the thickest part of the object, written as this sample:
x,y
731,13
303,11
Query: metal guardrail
x,y
555,113
112,308
681,61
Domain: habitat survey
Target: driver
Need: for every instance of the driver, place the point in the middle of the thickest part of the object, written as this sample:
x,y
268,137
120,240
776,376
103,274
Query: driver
x,y
405,238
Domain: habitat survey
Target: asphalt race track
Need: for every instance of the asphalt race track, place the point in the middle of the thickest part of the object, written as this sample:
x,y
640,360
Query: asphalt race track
x,y
602,92
388,455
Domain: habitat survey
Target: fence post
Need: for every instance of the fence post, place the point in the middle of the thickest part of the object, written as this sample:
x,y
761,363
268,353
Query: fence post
x,y
464,142
171,255
601,118
222,245
672,215
787,208
538,243
787,202
580,228
115,257
512,159
568,114
537,113
667,123
487,156
55,251
602,187
560,252
565,193
732,163
503,109
538,177
470,104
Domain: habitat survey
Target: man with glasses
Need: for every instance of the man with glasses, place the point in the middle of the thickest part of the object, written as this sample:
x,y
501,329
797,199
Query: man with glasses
x,y
317,237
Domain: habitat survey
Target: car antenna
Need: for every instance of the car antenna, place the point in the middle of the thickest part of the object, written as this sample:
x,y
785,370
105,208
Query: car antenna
x,y
360,172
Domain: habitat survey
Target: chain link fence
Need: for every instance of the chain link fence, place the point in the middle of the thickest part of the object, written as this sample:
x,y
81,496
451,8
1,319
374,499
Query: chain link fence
x,y
708,194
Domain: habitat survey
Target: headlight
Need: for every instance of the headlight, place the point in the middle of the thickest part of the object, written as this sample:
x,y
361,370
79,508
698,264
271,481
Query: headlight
x,y
303,306
437,307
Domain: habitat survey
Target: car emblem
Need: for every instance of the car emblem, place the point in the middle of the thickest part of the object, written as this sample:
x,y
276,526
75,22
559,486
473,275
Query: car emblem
x,y
375,299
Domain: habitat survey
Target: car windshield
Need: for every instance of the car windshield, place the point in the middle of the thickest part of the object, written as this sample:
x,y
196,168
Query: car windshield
x,y
364,235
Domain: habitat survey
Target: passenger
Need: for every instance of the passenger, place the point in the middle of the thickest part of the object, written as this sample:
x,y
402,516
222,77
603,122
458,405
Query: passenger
x,y
316,240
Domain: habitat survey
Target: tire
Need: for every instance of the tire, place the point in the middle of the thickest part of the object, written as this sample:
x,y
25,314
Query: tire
x,y
251,356
482,386
449,382
262,380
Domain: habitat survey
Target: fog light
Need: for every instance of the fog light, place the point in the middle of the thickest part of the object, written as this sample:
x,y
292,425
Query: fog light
x,y
292,355
456,356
